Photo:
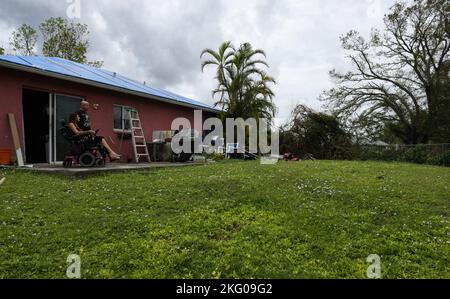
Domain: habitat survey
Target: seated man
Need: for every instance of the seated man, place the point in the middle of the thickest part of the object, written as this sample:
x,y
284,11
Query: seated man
x,y
79,124
84,122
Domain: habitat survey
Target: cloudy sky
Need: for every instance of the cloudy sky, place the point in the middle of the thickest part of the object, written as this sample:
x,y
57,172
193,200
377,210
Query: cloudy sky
x,y
159,41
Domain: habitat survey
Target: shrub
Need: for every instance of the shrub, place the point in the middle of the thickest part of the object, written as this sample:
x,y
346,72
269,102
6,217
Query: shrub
x,y
420,154
439,160
390,154
417,154
366,154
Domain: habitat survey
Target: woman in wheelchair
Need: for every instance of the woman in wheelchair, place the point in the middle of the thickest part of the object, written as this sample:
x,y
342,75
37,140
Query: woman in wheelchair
x,y
89,138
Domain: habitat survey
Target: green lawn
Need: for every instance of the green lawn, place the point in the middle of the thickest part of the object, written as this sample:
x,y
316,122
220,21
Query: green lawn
x,y
230,220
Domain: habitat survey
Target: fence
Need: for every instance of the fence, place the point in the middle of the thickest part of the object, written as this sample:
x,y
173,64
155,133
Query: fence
x,y
434,154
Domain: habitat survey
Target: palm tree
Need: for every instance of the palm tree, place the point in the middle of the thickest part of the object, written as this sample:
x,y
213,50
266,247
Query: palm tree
x,y
222,60
243,87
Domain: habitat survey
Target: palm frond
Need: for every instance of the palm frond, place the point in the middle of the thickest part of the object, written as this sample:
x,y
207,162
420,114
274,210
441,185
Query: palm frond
x,y
243,87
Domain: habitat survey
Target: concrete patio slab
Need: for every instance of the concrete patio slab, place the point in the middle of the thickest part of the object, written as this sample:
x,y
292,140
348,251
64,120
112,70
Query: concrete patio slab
x,y
109,168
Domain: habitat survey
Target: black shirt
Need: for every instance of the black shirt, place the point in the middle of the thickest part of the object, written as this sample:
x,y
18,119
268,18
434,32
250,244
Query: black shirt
x,y
84,123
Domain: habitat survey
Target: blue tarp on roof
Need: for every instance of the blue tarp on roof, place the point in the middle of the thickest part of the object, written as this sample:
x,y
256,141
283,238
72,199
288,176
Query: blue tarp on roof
x,y
80,71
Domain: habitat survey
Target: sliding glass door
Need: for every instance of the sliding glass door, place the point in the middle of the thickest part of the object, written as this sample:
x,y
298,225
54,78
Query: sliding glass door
x,y
62,107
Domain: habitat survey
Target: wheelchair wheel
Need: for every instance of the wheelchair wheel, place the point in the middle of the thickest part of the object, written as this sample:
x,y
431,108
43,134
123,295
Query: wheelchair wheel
x,y
100,163
87,160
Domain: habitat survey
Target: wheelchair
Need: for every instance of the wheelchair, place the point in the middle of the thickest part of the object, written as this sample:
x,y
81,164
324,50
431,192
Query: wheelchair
x,y
84,154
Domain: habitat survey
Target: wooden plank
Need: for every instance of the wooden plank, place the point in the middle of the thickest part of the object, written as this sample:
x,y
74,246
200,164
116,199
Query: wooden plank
x,y
15,136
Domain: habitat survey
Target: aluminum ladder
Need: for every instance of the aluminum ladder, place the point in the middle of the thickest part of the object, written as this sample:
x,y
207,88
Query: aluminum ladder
x,y
137,136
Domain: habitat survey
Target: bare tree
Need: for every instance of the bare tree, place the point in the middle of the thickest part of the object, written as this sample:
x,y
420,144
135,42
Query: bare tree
x,y
400,75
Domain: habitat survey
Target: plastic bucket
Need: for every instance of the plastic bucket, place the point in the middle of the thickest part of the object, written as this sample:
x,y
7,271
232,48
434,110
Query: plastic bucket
x,y
5,156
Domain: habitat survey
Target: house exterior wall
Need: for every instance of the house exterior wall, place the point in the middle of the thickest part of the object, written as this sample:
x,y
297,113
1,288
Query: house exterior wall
x,y
155,115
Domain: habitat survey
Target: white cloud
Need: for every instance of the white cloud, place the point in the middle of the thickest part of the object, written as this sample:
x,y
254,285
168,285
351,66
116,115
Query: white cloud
x,y
160,41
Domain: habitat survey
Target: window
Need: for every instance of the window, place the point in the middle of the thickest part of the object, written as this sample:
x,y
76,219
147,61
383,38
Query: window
x,y
122,117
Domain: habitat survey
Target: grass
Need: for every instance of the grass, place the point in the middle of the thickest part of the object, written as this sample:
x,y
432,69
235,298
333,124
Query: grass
x,y
230,220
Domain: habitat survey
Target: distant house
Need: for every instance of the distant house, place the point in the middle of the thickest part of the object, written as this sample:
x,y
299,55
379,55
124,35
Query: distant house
x,y
41,92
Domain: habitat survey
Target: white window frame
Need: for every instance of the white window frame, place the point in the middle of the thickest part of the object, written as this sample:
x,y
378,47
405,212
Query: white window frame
x,y
124,108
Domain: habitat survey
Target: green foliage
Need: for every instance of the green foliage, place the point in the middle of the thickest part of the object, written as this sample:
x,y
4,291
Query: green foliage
x,y
417,154
439,124
315,133
23,40
421,154
61,38
2,51
379,154
65,39
229,220
442,160
400,81
243,87
439,160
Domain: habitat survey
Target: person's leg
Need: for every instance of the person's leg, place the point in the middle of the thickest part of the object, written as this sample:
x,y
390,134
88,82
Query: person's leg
x,y
111,152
